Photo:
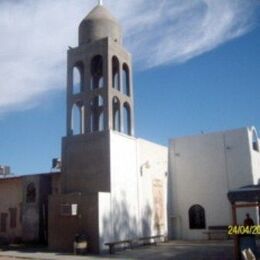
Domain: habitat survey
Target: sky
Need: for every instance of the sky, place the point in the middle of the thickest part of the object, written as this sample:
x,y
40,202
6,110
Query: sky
x,y
196,69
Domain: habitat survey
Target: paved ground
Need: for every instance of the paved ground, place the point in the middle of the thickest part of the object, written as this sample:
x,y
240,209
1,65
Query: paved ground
x,y
179,250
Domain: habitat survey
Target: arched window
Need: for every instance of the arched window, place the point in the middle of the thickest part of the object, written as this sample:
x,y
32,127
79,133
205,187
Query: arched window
x,y
127,119
97,78
255,143
77,120
77,79
31,193
97,114
116,114
197,217
126,80
116,75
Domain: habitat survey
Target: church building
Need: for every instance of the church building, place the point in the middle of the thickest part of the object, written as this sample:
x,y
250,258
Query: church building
x,y
111,185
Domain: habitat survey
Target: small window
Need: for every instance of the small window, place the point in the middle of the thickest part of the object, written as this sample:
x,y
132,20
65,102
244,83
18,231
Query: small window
x,y
3,222
31,193
197,217
13,216
69,209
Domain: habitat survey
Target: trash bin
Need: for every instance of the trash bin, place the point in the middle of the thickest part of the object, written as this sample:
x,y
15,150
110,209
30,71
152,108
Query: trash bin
x,y
80,244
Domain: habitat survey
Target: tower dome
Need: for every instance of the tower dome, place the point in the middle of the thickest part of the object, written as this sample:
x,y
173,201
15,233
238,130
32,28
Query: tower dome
x,y
99,24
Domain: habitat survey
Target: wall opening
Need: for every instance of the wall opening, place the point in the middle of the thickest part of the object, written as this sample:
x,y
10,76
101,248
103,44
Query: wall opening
x,y
255,143
97,114
77,79
77,119
126,80
127,119
116,114
97,77
31,193
116,74
3,222
197,217
13,217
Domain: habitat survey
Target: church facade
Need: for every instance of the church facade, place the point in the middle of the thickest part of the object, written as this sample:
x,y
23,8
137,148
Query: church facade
x,y
113,186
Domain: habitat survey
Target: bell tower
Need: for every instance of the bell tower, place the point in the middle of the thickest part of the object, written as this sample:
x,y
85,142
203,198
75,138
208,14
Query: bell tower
x,y
99,101
99,84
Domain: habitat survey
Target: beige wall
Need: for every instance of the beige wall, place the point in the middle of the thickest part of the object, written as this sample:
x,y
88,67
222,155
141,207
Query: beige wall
x,y
11,195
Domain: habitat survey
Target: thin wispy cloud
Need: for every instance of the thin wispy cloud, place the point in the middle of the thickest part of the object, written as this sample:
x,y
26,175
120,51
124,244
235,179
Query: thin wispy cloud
x,y
36,34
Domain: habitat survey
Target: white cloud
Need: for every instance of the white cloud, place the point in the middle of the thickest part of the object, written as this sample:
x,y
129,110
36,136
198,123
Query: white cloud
x,y
35,36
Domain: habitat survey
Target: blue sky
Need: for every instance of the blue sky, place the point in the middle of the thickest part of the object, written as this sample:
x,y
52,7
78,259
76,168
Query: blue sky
x,y
196,68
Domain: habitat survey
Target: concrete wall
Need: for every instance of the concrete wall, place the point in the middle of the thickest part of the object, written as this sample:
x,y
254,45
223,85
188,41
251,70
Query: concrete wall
x,y
202,170
11,197
85,163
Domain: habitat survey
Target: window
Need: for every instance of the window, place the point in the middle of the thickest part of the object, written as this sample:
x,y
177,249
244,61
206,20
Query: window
x,y
197,217
116,77
69,209
31,193
3,222
97,79
126,80
116,114
13,215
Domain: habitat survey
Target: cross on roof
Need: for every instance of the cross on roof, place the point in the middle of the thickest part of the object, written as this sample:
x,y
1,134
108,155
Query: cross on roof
x,y
100,2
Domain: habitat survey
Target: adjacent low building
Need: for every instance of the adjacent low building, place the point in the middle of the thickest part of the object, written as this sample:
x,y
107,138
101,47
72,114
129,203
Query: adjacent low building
x,y
24,206
203,169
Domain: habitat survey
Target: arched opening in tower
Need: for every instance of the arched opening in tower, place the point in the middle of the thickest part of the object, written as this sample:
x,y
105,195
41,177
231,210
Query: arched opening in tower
x,y
116,114
77,119
127,119
116,74
126,80
77,79
97,114
97,78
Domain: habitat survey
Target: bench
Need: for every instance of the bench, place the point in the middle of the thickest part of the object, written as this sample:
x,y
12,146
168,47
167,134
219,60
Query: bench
x,y
156,239
112,245
217,231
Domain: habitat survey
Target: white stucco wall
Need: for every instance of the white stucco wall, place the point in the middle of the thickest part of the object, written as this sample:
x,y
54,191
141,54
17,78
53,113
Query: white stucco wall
x,y
202,170
124,189
156,158
128,211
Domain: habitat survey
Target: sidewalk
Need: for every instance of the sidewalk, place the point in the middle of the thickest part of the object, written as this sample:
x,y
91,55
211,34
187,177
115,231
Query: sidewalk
x,y
179,250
